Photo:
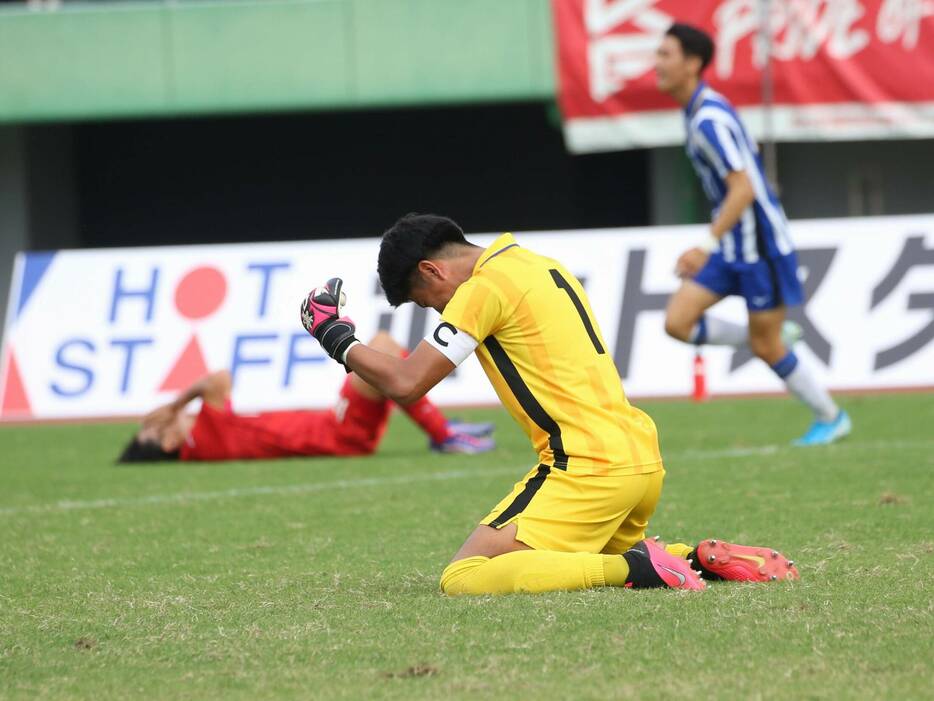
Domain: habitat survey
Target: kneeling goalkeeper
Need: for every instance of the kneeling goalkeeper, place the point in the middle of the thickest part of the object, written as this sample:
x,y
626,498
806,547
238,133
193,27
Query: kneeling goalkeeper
x,y
578,518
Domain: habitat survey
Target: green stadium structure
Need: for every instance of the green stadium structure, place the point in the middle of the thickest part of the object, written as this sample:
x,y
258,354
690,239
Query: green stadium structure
x,y
102,60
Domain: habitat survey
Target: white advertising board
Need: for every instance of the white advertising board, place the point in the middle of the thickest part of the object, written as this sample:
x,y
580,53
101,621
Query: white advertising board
x,y
94,333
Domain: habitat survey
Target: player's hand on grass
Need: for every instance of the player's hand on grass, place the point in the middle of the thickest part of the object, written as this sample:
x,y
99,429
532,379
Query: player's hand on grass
x,y
691,262
321,317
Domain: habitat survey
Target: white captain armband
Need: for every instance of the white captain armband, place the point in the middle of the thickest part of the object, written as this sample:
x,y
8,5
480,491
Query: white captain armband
x,y
454,344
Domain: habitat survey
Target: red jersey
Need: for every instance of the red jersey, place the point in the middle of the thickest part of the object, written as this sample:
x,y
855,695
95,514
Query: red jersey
x,y
354,427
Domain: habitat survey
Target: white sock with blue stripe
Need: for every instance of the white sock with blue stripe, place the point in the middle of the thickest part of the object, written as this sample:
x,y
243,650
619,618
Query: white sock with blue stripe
x,y
801,382
710,330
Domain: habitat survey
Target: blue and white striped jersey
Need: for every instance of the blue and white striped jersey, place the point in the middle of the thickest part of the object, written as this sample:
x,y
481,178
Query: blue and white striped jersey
x,y
717,144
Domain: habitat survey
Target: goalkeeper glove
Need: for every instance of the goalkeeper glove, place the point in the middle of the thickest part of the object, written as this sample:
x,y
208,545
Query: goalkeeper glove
x,y
321,318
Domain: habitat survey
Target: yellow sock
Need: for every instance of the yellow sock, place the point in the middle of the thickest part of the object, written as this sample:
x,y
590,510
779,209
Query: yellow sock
x,y
679,550
533,571
615,570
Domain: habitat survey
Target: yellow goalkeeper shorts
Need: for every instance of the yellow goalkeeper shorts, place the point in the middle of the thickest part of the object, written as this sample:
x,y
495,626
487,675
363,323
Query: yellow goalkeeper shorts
x,y
561,511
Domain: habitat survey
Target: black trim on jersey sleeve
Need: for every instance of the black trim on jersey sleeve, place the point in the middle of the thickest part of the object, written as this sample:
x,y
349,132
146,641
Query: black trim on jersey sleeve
x,y
527,400
502,250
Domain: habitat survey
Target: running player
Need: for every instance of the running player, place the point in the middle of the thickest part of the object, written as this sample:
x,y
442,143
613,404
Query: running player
x,y
578,518
748,252
353,427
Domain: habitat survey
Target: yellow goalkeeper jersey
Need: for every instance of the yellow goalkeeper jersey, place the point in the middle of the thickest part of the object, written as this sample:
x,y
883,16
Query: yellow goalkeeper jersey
x,y
543,351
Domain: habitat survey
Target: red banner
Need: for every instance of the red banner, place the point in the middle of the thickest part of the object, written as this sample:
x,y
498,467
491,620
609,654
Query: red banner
x,y
842,69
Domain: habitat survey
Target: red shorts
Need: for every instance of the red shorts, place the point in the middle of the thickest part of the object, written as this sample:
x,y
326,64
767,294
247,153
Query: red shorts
x,y
353,427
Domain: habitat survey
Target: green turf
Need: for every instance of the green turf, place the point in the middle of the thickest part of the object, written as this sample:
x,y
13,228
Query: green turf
x,y
318,578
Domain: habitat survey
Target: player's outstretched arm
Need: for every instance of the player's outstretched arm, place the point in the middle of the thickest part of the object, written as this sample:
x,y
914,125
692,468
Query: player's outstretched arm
x,y
213,388
404,380
740,195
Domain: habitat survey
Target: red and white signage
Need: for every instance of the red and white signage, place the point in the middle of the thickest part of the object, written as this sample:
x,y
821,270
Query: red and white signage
x,y
842,69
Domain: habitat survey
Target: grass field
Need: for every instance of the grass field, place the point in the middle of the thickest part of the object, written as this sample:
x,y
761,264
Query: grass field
x,y
318,578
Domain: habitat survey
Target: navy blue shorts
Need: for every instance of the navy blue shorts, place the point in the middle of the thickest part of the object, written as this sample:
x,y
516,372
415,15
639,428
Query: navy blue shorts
x,y
766,284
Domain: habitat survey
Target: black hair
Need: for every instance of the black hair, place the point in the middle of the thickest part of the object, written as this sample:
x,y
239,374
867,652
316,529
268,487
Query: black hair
x,y
145,451
694,42
413,238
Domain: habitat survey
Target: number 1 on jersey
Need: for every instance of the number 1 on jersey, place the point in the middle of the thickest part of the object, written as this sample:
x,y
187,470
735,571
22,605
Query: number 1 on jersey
x,y
579,306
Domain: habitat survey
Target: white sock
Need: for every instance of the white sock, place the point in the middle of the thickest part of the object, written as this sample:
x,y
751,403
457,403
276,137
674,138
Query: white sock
x,y
719,332
801,382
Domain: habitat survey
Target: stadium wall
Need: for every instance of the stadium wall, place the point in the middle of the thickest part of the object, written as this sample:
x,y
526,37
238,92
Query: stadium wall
x,y
133,326
120,59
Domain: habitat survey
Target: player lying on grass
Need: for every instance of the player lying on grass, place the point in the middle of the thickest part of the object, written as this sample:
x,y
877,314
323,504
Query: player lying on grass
x,y
578,518
353,427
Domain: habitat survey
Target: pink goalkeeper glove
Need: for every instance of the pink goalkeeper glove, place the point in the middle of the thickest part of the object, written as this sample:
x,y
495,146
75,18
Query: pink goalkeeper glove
x,y
321,318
